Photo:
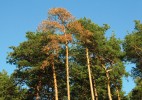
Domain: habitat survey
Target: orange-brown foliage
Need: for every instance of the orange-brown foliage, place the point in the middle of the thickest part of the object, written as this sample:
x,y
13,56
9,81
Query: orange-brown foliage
x,y
45,63
65,37
46,25
53,44
79,29
75,27
62,14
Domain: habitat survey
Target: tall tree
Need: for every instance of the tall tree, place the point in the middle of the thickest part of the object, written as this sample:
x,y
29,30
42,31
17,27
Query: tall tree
x,y
28,58
111,59
133,48
58,20
88,35
83,35
52,50
93,37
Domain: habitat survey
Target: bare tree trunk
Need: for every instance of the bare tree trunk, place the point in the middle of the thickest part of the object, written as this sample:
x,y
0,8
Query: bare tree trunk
x,y
118,94
94,85
55,81
108,82
95,89
67,72
108,86
89,72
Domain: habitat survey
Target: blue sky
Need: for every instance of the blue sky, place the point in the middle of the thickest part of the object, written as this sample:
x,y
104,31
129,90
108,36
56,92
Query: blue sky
x,y
19,16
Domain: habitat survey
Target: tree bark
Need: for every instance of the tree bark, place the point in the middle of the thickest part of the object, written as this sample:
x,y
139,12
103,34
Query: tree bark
x,y
67,72
108,86
89,72
108,82
118,94
55,81
95,89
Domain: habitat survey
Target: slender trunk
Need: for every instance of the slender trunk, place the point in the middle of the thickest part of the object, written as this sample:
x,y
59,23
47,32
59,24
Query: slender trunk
x,y
89,72
55,81
67,66
108,82
37,93
67,72
95,89
118,94
94,85
108,86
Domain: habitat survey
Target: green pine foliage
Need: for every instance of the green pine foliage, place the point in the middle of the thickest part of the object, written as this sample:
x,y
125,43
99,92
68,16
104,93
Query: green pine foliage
x,y
133,48
8,89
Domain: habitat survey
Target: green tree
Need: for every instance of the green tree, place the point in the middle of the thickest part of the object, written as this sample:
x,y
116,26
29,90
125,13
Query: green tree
x,y
111,62
88,35
133,48
28,58
91,40
38,59
83,35
8,89
136,93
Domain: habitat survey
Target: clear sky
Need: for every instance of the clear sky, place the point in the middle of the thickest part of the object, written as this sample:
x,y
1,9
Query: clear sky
x,y
19,16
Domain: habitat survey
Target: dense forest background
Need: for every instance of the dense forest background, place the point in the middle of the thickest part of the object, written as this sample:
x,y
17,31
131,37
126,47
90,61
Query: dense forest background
x,y
72,59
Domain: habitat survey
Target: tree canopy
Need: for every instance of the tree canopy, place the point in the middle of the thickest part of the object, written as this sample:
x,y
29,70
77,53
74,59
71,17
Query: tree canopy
x,y
66,56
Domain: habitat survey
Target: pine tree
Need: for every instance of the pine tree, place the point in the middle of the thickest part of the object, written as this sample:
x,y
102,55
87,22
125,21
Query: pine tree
x,y
133,48
58,20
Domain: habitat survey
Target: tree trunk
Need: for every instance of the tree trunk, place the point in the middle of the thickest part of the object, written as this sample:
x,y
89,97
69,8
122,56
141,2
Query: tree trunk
x,y
89,72
118,94
95,89
67,72
94,84
37,93
108,82
55,81
108,86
